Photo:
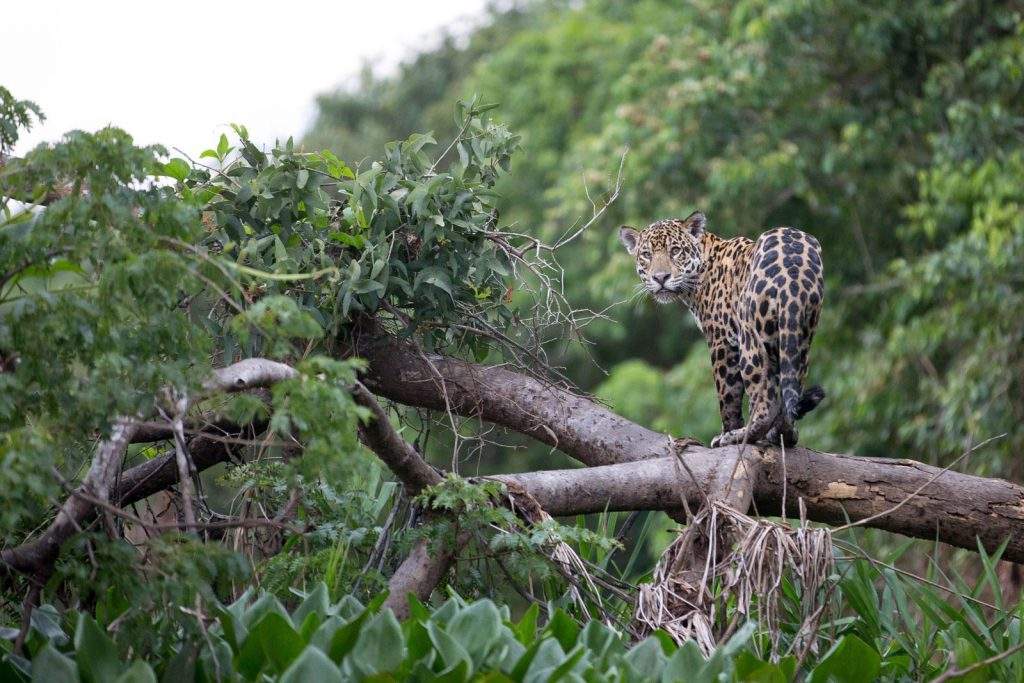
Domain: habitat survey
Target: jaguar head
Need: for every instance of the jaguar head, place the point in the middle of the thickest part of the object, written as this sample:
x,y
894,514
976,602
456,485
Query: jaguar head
x,y
668,255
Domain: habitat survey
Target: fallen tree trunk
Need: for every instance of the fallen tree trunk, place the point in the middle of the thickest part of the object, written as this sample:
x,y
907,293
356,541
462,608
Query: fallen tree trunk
x,y
901,496
957,509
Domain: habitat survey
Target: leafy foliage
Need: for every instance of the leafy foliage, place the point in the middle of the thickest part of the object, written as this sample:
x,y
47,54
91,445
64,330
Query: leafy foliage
x,y
131,275
904,630
15,115
334,242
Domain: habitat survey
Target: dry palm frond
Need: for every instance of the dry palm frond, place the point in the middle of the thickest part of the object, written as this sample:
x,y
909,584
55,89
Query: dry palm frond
x,y
726,557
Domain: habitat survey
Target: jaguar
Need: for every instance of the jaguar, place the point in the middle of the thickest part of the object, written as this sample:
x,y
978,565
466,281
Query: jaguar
x,y
757,303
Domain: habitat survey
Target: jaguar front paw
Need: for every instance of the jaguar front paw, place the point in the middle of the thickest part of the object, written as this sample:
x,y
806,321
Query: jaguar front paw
x,y
723,439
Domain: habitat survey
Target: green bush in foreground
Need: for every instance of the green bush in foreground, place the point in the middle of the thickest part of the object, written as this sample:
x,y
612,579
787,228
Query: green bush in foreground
x,y
257,639
886,626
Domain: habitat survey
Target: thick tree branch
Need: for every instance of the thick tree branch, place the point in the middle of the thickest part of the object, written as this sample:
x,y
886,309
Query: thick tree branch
x,y
419,574
956,508
249,373
555,416
380,437
161,473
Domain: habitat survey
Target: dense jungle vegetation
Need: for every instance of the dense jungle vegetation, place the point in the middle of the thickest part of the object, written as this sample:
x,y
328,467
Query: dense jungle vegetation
x,y
893,132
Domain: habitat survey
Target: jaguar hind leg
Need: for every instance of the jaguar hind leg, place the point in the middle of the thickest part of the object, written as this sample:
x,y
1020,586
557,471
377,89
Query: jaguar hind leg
x,y
762,389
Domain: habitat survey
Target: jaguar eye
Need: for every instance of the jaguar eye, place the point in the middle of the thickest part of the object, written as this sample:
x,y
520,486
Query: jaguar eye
x,y
645,255
675,252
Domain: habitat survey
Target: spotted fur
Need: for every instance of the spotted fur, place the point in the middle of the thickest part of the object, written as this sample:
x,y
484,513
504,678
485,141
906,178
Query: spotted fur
x,y
757,304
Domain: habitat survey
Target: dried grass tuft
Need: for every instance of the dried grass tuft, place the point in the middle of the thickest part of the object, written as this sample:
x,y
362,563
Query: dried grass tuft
x,y
726,557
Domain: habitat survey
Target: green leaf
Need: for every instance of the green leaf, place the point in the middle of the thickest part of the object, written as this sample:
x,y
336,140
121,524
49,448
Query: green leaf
x,y
182,666
311,665
138,672
436,277
526,659
50,666
851,660
451,651
309,626
250,659
417,640
354,241
223,147
647,659
417,610
46,621
317,601
95,652
597,637
750,668
177,169
280,251
526,629
564,628
279,641
684,664
380,647
549,656
325,632
476,628
571,660
301,178
966,655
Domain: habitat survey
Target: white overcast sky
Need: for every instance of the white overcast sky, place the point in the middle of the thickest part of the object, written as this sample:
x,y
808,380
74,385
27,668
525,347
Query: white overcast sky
x,y
177,73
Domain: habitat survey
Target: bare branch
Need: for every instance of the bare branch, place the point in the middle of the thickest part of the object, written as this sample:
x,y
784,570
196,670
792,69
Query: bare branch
x,y
397,454
36,557
249,373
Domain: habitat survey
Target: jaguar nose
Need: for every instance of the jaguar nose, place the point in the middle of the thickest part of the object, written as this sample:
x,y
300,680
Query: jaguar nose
x,y
661,277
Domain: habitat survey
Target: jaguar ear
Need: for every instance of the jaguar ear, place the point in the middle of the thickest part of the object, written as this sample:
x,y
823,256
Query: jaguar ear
x,y
695,223
628,236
